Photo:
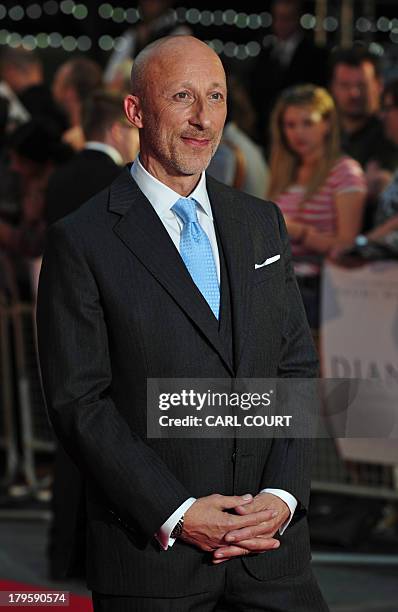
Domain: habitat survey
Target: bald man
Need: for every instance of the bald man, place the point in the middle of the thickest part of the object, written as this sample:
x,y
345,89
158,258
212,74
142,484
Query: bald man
x,y
156,277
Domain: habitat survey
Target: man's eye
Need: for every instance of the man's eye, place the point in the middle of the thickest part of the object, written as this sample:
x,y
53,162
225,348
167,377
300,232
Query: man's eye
x,y
182,95
216,95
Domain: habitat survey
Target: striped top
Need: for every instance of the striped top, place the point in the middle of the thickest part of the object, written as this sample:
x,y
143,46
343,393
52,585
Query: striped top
x,y
319,210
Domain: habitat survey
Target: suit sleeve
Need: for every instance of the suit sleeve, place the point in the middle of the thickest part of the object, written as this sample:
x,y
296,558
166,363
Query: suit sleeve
x,y
290,460
76,375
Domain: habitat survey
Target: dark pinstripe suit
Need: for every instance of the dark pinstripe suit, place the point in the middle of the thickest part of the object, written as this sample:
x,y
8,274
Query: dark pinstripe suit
x,y
117,305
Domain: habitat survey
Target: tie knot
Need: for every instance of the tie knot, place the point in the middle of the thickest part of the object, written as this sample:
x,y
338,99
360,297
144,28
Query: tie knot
x,y
185,208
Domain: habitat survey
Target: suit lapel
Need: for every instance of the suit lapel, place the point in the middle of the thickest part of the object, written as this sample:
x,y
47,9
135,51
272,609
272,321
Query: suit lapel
x,y
141,230
231,221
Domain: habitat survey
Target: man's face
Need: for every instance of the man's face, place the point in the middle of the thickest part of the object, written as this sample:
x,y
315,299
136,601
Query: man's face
x,y
356,90
183,109
285,20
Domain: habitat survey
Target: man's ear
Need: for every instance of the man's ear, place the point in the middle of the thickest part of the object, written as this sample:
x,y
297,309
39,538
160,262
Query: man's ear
x,y
132,108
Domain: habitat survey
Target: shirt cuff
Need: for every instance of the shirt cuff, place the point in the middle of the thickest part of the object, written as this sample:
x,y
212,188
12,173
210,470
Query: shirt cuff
x,y
163,535
288,499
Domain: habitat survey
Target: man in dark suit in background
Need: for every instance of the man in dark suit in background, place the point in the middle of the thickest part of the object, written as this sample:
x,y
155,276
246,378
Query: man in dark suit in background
x,y
111,142
157,277
288,58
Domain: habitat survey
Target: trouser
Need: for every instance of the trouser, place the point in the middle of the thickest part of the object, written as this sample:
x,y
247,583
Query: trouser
x,y
238,592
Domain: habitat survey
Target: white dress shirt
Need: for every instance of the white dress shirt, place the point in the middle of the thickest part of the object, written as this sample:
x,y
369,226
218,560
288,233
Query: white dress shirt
x,y
162,199
285,49
94,145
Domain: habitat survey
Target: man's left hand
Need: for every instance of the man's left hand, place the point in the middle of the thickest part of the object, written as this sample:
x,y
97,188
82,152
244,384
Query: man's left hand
x,y
254,539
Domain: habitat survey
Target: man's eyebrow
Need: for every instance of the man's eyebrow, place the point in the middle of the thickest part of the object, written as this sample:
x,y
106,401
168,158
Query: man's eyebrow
x,y
189,84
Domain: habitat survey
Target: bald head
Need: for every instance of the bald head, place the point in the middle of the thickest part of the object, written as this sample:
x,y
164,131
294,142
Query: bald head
x,y
164,52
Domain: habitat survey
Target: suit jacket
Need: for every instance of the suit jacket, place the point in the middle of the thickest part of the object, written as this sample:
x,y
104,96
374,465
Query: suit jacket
x,y
117,305
72,184
309,64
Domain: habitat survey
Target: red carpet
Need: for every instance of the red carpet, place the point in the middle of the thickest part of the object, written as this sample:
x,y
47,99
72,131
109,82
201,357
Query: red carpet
x,y
77,603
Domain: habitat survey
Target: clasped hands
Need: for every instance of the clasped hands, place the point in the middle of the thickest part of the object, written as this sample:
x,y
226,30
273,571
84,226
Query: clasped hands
x,y
236,525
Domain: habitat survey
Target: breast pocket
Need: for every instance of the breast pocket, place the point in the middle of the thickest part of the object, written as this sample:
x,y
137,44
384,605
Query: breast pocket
x,y
266,272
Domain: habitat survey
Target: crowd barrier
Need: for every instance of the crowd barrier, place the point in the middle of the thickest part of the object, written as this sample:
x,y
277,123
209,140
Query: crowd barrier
x,y
8,441
359,316
25,428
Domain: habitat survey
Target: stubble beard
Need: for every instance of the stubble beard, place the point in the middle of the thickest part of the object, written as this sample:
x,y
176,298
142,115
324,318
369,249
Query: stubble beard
x,y
175,159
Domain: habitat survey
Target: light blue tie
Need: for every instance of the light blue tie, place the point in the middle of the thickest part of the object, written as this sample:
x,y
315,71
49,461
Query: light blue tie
x,y
196,252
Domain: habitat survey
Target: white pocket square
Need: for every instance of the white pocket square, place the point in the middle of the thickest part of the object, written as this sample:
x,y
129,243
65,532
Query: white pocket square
x,y
268,261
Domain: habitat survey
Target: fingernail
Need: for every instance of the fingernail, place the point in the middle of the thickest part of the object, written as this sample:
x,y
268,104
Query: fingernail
x,y
230,538
247,496
275,513
219,555
276,545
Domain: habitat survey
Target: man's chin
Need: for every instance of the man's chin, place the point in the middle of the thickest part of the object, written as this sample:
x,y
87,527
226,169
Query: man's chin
x,y
193,167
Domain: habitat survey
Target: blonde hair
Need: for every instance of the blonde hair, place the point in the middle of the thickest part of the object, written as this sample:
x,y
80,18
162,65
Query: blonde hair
x,y
283,162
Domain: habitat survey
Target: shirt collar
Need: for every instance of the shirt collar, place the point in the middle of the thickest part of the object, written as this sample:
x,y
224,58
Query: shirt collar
x,y
161,196
291,43
93,145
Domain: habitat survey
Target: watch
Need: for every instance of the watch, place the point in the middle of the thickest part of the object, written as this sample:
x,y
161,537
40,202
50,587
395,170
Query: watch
x,y
177,529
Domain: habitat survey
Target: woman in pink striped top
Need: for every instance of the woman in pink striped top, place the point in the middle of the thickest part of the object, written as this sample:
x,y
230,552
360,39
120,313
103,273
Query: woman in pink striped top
x,y
320,192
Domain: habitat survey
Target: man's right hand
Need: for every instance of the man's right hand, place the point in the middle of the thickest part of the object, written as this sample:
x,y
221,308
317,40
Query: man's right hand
x,y
206,522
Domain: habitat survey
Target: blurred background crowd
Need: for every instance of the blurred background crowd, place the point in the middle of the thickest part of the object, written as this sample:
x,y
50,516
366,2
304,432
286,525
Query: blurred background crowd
x,y
312,125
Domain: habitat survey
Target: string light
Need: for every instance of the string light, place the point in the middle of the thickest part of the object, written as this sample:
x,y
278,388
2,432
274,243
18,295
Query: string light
x,y
105,42
80,11
50,7
119,15
330,24
383,24
16,13
192,16
105,11
42,40
206,18
376,49
34,11
84,43
254,22
394,36
29,42
229,49
132,15
69,43
14,39
55,40
308,21
266,19
253,48
241,20
229,17
67,6
363,25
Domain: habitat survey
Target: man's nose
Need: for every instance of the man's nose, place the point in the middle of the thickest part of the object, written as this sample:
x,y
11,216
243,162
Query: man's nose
x,y
200,114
